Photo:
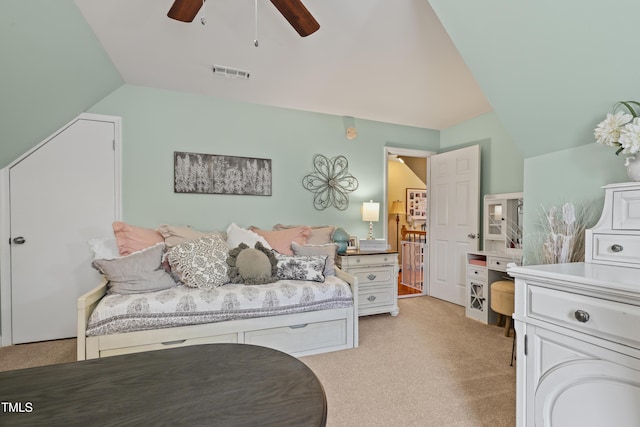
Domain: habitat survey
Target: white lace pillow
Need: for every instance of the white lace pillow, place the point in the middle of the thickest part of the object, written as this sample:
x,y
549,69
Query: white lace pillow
x,y
200,263
295,267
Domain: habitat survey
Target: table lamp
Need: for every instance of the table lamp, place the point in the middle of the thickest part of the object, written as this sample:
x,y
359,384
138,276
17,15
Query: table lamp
x,y
370,212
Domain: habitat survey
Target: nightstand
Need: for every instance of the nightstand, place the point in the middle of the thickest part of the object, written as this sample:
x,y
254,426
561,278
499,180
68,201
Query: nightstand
x,y
377,274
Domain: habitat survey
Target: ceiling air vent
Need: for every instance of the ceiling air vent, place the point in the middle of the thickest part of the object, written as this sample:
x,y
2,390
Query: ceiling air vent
x,y
230,72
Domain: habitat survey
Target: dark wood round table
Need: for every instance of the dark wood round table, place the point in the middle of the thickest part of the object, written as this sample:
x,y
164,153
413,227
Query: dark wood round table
x,y
203,385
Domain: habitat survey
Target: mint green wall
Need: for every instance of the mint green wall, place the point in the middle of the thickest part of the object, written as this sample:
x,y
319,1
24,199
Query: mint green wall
x,y
549,69
53,68
156,123
502,163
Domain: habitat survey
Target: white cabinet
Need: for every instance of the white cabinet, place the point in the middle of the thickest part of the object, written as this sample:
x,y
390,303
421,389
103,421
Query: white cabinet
x,y
484,268
578,345
502,245
377,275
578,341
503,223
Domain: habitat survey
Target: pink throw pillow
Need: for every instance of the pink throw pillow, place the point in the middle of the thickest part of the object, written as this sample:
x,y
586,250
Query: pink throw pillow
x,y
132,239
281,240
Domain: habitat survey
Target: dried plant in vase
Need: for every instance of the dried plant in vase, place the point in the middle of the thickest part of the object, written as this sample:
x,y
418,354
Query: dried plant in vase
x,y
561,239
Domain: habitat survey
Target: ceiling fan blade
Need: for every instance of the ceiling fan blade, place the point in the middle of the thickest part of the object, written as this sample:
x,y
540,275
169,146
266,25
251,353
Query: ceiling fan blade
x,y
184,10
298,16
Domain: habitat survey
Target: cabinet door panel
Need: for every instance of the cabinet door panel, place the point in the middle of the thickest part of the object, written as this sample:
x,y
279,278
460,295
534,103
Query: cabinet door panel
x,y
589,393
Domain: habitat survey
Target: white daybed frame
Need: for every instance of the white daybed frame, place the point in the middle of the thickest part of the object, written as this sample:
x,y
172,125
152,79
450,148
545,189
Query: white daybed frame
x,y
299,334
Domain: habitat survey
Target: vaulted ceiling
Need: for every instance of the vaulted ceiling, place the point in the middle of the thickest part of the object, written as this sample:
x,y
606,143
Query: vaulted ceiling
x,y
389,61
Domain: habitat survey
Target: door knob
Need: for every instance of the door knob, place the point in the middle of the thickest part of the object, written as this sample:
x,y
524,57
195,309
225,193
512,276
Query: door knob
x,y
471,235
18,240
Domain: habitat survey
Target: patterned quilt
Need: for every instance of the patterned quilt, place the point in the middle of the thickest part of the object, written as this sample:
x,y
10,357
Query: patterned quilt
x,y
181,305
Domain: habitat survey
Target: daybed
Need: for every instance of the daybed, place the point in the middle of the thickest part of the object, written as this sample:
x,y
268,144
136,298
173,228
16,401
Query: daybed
x,y
299,317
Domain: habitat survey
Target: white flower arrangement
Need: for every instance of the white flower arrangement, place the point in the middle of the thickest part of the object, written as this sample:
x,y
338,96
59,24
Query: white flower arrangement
x,y
621,128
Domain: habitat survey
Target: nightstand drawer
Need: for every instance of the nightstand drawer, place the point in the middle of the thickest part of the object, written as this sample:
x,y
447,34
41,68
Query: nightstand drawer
x,y
374,296
355,261
373,275
594,316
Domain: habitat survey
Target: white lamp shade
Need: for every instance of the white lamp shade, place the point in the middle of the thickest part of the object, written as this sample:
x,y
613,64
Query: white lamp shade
x,y
370,211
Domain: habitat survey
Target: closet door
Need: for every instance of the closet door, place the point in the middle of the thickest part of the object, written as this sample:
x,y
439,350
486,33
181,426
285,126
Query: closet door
x,y
61,195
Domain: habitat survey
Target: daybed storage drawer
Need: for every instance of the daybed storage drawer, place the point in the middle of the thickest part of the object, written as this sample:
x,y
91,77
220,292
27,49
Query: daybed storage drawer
x,y
228,338
594,316
301,338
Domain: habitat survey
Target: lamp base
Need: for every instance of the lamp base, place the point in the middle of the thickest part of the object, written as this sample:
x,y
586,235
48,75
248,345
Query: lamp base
x,y
370,236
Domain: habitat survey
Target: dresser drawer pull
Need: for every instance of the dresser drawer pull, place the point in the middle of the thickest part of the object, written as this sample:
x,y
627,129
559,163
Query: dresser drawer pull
x,y
371,298
371,276
616,248
173,342
581,316
303,325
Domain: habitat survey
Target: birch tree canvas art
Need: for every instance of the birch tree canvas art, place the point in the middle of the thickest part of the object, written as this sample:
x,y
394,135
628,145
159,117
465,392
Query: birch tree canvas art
x,y
213,174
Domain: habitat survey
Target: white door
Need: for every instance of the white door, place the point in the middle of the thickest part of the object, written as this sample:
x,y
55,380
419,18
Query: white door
x,y
61,195
454,188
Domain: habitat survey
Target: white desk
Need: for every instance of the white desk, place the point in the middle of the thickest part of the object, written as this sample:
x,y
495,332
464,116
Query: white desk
x,y
484,268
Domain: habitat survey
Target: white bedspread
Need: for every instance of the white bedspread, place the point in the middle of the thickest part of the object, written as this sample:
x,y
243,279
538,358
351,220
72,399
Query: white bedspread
x,y
182,305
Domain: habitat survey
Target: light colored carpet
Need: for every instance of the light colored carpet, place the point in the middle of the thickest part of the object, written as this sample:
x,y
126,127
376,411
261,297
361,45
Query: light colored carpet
x,y
430,366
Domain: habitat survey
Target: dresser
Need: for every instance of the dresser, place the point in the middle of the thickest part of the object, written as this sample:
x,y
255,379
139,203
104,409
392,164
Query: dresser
x,y
377,274
578,327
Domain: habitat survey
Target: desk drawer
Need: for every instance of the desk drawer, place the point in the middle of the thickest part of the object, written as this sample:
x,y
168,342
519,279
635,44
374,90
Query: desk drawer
x,y
499,263
616,247
301,338
598,317
477,273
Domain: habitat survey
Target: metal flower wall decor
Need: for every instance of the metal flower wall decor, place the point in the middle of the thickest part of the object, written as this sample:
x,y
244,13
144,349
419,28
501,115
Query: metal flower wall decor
x,y
331,182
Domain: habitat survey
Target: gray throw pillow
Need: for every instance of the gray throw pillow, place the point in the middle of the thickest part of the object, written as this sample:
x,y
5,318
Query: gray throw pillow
x,y
329,250
201,263
136,273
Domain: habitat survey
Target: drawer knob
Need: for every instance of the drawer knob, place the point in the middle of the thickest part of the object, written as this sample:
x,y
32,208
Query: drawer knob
x,y
497,262
581,316
616,248
371,298
371,276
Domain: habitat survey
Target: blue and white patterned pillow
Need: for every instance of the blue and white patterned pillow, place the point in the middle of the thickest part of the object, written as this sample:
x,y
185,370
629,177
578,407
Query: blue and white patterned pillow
x,y
297,267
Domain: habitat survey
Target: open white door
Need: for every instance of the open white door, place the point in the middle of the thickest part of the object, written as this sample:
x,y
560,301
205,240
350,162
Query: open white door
x,y
454,188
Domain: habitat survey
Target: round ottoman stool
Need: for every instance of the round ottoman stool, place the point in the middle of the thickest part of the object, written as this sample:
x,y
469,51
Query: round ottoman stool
x,y
502,302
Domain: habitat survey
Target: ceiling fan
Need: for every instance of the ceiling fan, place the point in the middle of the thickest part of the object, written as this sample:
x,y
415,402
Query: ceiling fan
x,y
293,10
